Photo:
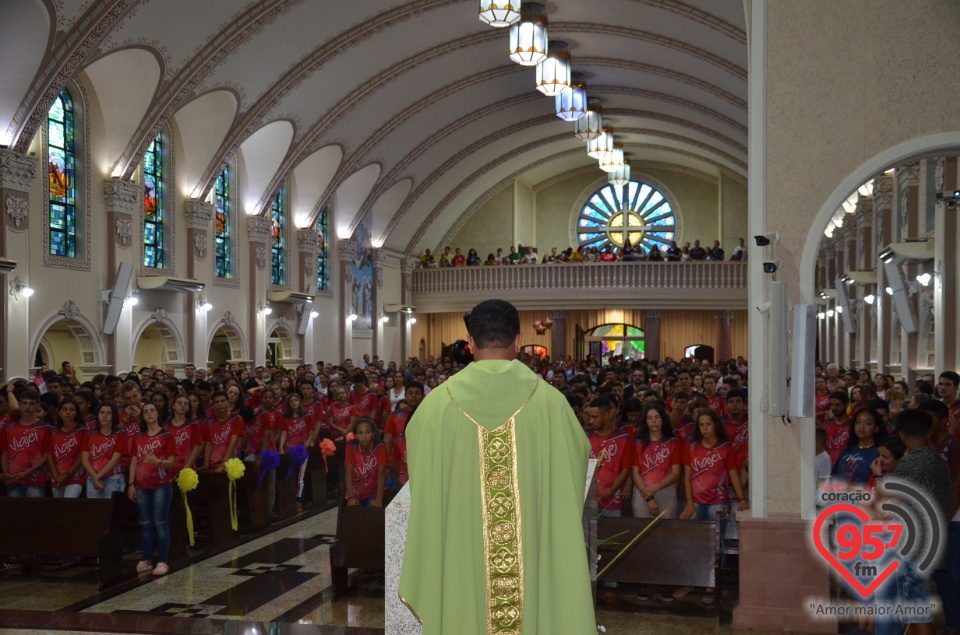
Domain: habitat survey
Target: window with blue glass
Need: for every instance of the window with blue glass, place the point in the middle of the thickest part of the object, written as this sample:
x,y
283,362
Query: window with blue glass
x,y
323,274
636,212
221,221
278,250
153,202
61,161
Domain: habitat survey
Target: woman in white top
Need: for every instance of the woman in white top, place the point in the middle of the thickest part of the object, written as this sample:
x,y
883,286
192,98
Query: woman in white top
x,y
390,386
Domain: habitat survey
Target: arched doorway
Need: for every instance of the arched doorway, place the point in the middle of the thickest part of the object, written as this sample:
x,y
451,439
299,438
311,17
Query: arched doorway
x,y
282,346
159,344
68,336
700,352
227,343
612,340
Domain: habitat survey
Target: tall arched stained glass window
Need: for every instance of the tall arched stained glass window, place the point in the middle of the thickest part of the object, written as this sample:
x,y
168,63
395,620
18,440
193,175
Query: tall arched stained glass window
x,y
221,222
153,202
277,252
635,211
323,273
61,162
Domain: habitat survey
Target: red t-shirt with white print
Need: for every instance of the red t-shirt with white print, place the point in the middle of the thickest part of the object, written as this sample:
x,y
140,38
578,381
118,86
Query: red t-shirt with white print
x,y
614,454
102,448
711,471
24,445
161,445
656,458
66,450
366,466
218,435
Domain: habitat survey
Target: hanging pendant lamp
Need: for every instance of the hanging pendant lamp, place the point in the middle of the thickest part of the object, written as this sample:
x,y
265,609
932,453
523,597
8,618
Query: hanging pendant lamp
x,y
499,14
622,176
553,73
612,161
528,36
590,125
572,104
602,145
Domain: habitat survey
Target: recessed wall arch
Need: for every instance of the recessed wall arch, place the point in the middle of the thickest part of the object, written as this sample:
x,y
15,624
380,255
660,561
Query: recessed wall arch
x,y
226,331
282,344
70,325
158,335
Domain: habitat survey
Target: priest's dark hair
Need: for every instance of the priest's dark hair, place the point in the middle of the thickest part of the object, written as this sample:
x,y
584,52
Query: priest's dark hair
x,y
494,324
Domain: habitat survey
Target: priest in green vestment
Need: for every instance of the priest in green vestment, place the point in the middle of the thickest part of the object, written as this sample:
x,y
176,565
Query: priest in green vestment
x,y
497,463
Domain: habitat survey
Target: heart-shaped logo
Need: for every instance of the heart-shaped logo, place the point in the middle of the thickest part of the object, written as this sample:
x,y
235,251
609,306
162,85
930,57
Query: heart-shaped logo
x,y
864,591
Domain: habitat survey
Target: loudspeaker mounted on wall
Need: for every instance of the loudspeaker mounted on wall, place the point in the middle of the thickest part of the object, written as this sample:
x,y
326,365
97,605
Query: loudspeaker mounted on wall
x,y
843,303
803,361
117,295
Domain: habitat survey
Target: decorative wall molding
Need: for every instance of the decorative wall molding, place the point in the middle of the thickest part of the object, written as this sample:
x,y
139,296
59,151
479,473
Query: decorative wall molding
x,y
940,173
307,240
198,214
200,245
17,171
258,229
18,209
228,319
260,253
70,310
122,197
908,175
347,247
159,315
123,231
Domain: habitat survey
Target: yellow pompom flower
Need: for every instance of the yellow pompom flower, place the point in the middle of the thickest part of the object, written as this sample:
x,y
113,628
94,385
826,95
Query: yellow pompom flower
x,y
234,468
187,480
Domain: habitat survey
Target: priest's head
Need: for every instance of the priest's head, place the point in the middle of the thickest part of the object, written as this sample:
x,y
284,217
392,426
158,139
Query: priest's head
x,y
494,327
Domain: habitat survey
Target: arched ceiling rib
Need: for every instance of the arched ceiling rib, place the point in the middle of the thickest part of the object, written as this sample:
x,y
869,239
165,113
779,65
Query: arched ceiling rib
x,y
25,32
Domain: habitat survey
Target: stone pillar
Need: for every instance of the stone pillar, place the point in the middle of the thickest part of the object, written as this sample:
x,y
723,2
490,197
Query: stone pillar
x,y
651,333
307,281
946,269
865,260
908,216
17,173
558,335
379,260
348,247
122,200
407,265
198,215
883,236
258,235
847,264
724,338
830,268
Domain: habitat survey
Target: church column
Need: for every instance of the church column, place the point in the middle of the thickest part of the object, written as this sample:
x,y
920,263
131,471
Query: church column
x,y
122,200
651,334
307,281
830,267
883,235
845,265
558,335
724,338
908,216
379,260
407,265
17,173
946,269
198,215
864,258
258,235
348,248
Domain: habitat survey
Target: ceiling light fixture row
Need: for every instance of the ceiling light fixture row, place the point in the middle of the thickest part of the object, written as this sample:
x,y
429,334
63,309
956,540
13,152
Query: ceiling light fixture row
x,y
530,46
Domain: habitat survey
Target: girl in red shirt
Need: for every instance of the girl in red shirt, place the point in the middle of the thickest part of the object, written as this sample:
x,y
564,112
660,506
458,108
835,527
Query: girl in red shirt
x,y
658,465
66,471
297,430
366,466
341,415
153,455
100,453
187,435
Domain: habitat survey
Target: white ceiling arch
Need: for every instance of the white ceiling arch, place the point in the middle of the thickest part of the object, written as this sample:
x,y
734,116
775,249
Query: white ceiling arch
x,y
350,196
310,180
202,124
25,31
257,162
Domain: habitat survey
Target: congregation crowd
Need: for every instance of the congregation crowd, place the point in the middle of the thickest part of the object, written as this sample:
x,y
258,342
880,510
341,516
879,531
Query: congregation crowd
x,y
627,252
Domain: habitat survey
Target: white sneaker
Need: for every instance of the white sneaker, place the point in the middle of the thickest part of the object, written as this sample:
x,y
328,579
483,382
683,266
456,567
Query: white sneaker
x,y
161,569
144,565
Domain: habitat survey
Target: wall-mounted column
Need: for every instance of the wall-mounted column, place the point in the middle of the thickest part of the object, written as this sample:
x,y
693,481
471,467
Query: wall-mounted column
x,y
122,200
258,235
558,335
307,281
198,216
908,216
651,334
830,268
883,236
17,173
379,260
865,260
946,271
348,248
724,336
407,265
848,235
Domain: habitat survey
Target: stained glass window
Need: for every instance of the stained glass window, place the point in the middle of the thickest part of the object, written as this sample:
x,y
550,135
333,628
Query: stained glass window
x,y
609,340
61,161
221,221
277,251
153,195
635,211
323,274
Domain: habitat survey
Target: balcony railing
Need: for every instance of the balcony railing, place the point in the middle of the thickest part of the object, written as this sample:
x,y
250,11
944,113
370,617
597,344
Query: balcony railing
x,y
649,285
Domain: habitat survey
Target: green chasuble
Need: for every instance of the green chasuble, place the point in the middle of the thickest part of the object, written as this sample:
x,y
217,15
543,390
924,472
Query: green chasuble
x,y
497,464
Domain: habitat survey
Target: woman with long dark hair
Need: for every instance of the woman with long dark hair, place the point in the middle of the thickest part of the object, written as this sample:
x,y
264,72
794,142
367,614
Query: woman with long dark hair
x,y
659,465
101,451
153,457
66,468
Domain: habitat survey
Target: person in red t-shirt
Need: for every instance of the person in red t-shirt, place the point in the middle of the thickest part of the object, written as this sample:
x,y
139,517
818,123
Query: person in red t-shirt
x,y
297,430
187,435
223,434
153,455
711,466
66,470
822,400
838,430
341,415
260,432
658,465
365,465
737,427
365,402
614,451
101,451
26,450
458,260
130,415
714,399
395,430
313,407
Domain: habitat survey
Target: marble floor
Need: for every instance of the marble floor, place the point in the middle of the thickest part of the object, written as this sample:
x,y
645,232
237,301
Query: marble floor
x,y
275,583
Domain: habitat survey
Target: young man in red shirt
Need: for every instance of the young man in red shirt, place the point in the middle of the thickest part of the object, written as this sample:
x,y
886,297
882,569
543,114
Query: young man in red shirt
x,y
223,433
614,451
838,430
26,449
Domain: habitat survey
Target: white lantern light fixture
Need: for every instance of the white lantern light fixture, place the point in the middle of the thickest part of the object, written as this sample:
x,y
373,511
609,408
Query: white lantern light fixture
x,y
553,73
590,125
602,145
499,14
528,36
572,104
622,176
612,161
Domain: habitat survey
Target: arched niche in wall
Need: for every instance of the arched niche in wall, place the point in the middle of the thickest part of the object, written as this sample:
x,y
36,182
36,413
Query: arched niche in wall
x,y
69,336
158,342
282,349
225,342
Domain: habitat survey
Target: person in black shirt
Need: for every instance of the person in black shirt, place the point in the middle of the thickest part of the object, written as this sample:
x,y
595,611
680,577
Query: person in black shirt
x,y
698,252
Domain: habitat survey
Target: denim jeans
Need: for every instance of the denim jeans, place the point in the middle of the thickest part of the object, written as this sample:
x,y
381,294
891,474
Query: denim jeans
x,y
17,490
712,512
153,507
111,484
68,491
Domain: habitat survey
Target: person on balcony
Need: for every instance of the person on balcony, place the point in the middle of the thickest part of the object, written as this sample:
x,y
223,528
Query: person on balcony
x,y
459,260
514,257
491,261
428,260
473,260
698,252
716,254
673,252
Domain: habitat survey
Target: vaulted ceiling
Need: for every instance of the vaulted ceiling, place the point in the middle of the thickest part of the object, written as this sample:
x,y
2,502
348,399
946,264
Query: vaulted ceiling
x,y
409,111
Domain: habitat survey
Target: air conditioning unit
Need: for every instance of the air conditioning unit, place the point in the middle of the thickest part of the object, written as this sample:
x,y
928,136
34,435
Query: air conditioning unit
x,y
7,265
401,308
166,283
290,297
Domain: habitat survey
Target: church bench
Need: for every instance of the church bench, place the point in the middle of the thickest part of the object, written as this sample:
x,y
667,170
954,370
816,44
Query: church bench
x,y
674,553
213,496
361,535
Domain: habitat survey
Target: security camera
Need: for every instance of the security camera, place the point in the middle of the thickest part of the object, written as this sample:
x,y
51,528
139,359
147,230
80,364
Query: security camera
x,y
771,267
767,239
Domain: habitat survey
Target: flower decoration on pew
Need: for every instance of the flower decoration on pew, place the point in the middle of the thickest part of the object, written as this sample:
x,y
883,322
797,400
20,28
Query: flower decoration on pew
x,y
269,460
234,469
187,481
351,436
298,454
327,448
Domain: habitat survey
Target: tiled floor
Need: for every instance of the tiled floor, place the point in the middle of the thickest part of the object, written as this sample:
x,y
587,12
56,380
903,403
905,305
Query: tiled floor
x,y
277,583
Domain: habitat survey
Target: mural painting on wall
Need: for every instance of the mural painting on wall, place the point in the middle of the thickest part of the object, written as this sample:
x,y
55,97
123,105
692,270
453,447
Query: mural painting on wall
x,y
361,297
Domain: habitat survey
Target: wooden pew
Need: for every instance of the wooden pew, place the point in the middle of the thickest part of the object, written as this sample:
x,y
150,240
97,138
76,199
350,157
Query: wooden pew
x,y
287,488
675,552
361,533
62,528
254,499
213,492
317,475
